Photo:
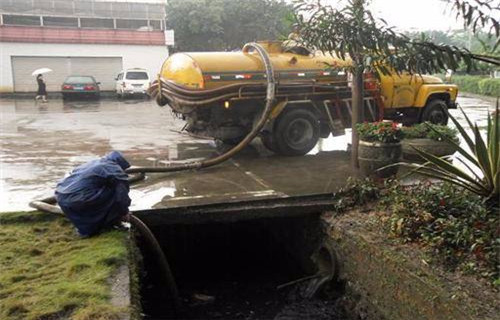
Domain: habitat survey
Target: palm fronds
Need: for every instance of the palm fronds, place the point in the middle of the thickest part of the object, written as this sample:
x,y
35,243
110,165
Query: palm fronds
x,y
482,172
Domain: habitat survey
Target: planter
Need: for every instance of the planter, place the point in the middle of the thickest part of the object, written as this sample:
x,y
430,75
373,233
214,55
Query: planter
x,y
437,148
375,155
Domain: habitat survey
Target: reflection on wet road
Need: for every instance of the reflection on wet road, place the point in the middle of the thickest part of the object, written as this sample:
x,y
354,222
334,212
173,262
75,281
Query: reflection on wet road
x,y
40,143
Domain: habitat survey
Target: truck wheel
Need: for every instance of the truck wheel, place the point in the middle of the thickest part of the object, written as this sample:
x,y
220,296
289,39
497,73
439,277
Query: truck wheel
x,y
435,112
296,132
268,142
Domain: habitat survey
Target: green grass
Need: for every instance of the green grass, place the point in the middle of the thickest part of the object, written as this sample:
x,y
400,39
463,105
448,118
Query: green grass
x,y
48,272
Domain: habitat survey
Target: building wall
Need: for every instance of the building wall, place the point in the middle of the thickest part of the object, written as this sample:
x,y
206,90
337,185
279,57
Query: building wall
x,y
133,56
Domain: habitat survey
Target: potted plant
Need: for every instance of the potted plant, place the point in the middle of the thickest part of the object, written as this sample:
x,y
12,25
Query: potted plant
x,y
430,138
379,146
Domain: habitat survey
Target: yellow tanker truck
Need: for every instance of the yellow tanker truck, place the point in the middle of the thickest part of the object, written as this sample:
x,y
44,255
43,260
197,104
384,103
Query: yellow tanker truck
x,y
222,94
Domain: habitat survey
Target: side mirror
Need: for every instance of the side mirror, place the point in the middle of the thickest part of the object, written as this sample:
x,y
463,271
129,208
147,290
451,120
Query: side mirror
x,y
447,76
97,83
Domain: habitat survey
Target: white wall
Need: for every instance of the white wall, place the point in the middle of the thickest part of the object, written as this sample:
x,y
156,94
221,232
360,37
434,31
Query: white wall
x,y
133,56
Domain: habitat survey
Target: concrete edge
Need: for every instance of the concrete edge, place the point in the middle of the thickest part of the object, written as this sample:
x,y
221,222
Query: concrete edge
x,y
125,285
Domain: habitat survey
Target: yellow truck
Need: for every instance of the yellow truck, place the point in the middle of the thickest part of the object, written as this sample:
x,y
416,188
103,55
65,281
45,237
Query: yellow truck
x,y
221,94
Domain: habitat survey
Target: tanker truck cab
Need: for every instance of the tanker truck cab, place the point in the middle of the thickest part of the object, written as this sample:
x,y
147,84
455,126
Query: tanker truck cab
x,y
414,98
222,94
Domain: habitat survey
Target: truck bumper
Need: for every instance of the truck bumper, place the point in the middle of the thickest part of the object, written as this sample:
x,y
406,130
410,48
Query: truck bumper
x,y
452,104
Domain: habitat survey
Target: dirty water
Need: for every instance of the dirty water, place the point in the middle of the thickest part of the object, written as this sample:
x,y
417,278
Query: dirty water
x,y
41,143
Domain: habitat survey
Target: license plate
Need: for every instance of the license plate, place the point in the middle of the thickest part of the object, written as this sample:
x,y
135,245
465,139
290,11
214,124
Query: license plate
x,y
137,85
78,88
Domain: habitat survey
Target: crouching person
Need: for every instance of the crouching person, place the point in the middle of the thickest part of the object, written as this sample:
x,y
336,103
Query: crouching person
x,y
95,195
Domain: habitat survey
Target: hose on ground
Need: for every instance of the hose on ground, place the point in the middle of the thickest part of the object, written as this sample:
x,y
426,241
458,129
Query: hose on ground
x,y
50,204
270,94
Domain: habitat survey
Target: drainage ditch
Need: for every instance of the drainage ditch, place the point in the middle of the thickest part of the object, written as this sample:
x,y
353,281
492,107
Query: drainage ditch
x,y
264,268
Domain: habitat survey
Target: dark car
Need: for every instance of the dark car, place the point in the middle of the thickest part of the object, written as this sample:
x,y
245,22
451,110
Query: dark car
x,y
80,86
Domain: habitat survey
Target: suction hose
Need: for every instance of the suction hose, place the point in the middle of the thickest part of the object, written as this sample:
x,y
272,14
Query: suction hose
x,y
270,93
50,204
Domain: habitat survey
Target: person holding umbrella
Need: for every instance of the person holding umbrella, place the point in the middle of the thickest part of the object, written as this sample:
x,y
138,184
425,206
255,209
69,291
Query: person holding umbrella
x,y
42,90
41,93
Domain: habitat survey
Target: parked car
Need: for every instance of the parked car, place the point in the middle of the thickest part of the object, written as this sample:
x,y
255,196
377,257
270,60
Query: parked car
x,y
131,82
80,86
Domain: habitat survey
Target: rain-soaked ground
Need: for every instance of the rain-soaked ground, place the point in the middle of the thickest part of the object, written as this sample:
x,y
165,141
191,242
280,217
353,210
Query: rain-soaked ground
x,y
40,143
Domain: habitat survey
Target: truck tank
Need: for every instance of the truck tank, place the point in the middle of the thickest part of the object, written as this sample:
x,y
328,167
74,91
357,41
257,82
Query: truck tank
x,y
209,70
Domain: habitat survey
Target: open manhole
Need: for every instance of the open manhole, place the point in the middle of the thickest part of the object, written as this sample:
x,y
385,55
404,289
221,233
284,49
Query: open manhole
x,y
239,270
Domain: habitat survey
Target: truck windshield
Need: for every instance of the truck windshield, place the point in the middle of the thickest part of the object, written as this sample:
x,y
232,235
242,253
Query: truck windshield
x,y
135,75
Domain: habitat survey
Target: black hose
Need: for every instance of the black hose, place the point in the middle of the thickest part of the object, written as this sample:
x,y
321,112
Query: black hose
x,y
168,277
49,205
270,94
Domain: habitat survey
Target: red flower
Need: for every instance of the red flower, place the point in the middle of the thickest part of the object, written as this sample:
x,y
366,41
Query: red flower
x,y
442,203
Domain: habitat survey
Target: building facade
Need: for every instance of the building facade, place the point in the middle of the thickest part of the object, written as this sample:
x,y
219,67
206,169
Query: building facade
x,y
78,37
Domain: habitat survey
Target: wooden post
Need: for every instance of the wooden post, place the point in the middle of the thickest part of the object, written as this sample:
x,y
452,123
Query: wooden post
x,y
357,90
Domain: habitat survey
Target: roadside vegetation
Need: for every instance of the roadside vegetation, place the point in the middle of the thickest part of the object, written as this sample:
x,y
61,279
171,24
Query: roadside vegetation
x,y
48,272
478,85
428,130
456,229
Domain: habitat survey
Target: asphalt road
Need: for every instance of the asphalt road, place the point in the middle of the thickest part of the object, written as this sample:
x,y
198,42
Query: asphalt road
x,y
41,143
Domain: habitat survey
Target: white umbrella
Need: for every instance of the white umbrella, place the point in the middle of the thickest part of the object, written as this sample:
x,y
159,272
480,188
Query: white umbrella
x,y
41,71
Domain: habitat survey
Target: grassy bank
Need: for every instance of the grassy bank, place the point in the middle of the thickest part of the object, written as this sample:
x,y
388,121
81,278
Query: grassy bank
x,y
48,272
478,85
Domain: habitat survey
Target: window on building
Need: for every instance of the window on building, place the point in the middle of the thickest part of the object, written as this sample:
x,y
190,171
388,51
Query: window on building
x,y
155,24
16,20
96,23
60,22
131,24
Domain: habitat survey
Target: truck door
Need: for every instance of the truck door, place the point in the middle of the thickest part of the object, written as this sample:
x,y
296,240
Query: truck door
x,y
405,89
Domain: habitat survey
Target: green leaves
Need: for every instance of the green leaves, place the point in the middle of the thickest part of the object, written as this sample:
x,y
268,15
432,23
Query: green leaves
x,y
354,32
215,25
478,14
483,157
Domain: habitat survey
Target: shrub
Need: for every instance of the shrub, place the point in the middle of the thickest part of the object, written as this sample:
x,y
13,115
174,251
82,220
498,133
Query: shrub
x,y
430,131
478,85
450,221
490,87
386,132
357,192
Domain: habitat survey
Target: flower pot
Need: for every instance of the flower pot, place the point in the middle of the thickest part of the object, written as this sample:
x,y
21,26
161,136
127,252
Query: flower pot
x,y
437,148
375,155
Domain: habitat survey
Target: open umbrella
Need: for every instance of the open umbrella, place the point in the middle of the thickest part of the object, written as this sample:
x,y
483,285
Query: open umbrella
x,y
41,71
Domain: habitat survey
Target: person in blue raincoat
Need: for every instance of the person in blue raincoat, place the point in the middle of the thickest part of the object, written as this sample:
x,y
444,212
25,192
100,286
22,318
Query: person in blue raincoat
x,y
95,195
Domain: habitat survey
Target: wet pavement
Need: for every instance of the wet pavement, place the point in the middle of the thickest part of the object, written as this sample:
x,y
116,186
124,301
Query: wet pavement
x,y
40,143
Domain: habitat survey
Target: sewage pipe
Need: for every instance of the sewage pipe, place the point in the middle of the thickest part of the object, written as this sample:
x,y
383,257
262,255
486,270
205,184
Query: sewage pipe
x,y
270,94
50,204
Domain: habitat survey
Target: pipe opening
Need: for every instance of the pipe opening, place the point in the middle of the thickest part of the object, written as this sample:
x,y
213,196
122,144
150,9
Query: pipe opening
x,y
254,269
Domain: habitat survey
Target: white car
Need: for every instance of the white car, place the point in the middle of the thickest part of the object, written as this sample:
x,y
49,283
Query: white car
x,y
132,82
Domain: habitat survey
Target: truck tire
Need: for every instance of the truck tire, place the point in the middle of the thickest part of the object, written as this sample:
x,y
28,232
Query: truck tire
x,y
296,132
436,112
268,141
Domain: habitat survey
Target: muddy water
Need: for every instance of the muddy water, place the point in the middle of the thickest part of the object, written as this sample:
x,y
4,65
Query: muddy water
x,y
40,143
